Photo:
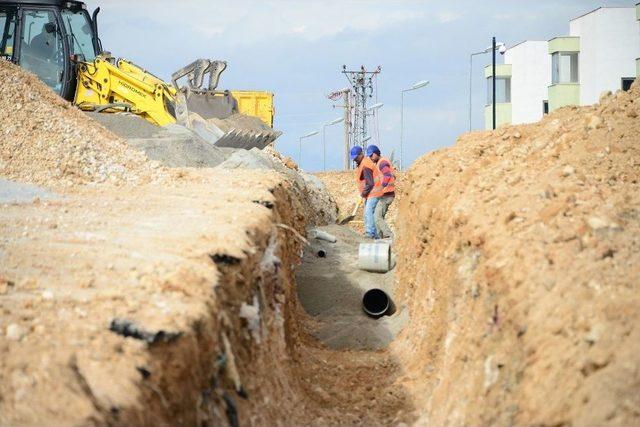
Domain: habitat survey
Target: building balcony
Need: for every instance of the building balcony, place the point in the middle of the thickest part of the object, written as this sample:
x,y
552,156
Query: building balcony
x,y
503,114
564,44
563,94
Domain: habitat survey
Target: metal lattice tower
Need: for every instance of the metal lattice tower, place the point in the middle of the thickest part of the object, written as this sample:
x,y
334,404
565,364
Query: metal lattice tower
x,y
362,88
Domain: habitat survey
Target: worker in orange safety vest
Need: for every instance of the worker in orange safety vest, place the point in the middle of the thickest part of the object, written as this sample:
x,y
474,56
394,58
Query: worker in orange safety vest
x,y
365,181
384,189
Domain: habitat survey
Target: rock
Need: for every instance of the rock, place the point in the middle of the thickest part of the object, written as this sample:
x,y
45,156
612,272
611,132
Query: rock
x,y
594,122
605,95
568,170
599,223
15,332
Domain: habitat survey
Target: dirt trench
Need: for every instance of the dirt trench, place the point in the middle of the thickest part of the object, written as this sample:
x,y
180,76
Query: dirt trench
x,y
160,305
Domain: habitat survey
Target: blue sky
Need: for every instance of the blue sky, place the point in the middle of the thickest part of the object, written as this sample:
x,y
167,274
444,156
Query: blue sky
x,y
296,50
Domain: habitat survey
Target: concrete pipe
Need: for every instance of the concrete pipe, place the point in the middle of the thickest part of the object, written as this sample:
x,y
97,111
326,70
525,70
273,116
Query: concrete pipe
x,y
322,235
374,257
376,303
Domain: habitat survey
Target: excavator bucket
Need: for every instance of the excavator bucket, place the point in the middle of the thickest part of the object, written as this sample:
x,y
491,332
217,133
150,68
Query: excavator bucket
x,y
214,114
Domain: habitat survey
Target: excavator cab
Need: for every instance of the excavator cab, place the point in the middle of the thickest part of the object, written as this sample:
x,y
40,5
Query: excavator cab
x,y
48,38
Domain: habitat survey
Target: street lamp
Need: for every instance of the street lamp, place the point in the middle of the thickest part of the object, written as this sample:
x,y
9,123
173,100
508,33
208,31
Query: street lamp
x,y
324,142
315,132
502,48
418,85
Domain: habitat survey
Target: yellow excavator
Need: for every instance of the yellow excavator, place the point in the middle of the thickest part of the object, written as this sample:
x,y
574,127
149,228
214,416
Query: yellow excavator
x,y
58,41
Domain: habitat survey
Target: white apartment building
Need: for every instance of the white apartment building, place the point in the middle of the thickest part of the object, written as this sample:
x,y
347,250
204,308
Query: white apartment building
x,y
602,52
521,84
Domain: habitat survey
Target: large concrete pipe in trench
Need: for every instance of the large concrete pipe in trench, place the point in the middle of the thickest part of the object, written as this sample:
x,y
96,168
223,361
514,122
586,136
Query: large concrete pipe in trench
x,y
376,303
374,257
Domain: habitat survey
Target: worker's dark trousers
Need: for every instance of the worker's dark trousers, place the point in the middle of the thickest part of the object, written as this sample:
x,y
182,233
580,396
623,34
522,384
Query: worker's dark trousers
x,y
379,215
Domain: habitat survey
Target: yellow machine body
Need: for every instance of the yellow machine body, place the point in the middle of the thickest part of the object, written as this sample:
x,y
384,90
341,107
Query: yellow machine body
x,y
255,103
109,84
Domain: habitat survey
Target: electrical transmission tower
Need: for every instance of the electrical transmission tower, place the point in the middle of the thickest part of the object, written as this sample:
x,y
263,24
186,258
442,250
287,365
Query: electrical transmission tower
x,y
362,88
355,98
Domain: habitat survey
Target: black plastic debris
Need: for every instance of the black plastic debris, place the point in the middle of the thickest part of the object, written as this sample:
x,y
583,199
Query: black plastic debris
x,y
267,204
232,411
127,328
144,372
242,393
224,259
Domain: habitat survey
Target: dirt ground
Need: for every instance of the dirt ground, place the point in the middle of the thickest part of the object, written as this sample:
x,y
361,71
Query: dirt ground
x,y
134,294
519,261
179,271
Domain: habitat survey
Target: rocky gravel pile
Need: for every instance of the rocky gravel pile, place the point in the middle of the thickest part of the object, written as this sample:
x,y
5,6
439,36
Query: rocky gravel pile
x,y
45,140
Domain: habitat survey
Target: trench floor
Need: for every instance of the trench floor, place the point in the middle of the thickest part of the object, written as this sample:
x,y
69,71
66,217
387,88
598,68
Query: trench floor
x,y
330,290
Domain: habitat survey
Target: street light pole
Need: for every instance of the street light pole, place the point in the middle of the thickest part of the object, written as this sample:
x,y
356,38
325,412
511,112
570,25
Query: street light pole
x,y
502,49
471,81
401,125
493,79
417,85
315,132
324,142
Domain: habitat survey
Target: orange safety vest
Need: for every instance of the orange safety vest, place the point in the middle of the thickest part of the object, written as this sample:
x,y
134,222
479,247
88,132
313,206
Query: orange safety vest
x,y
378,176
365,163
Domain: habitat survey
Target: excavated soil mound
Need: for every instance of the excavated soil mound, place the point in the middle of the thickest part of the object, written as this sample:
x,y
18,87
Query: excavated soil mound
x,y
520,264
48,142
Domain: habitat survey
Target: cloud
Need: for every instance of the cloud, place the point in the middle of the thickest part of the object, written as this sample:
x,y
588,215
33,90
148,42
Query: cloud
x,y
299,29
447,17
246,22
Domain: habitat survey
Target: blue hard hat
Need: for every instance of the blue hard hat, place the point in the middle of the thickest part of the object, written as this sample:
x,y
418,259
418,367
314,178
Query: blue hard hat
x,y
356,150
372,149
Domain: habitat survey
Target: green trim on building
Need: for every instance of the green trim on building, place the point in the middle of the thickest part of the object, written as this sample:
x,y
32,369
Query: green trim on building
x,y
563,94
503,115
638,11
502,70
564,44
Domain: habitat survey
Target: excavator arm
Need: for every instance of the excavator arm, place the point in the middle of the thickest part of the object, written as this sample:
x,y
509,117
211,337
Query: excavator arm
x,y
110,84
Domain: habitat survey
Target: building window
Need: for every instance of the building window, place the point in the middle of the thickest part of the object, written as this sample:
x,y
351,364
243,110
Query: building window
x,y
503,90
545,107
627,82
564,67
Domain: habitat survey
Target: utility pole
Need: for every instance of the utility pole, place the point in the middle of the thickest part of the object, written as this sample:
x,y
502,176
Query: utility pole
x,y
347,129
345,94
362,88
493,80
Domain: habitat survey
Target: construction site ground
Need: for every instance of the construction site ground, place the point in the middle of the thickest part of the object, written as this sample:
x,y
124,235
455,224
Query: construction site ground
x,y
137,293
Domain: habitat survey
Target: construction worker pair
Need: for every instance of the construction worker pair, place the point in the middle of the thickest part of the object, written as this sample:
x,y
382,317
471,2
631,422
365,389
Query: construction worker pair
x,y
375,177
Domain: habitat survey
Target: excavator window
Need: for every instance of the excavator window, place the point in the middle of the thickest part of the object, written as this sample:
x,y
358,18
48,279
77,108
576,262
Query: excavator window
x,y
41,48
80,34
8,28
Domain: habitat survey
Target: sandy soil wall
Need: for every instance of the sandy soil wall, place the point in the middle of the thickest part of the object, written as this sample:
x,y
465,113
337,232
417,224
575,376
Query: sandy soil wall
x,y
519,260
202,293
